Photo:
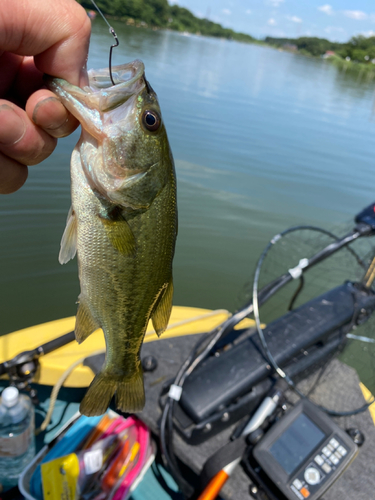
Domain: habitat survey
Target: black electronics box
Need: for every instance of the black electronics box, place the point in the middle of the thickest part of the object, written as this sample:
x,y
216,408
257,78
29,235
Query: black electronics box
x,y
232,381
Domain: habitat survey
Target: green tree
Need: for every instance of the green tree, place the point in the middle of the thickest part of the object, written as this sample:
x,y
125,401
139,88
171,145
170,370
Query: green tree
x,y
160,14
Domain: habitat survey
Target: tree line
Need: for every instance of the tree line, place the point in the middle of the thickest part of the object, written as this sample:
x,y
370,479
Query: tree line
x,y
158,13
358,48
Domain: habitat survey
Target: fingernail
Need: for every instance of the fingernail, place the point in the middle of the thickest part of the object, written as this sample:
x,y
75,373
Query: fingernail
x,y
12,127
46,121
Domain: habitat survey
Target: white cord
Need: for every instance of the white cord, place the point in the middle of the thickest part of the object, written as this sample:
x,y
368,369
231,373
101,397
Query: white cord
x,y
57,387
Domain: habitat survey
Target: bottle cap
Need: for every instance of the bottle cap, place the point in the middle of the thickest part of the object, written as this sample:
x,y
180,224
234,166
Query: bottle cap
x,y
9,396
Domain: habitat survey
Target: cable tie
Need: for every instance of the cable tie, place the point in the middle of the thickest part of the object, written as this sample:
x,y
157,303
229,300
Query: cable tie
x,y
296,272
175,392
281,373
361,338
276,238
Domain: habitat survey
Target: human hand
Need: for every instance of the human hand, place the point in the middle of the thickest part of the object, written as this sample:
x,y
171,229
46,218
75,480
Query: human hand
x,y
36,37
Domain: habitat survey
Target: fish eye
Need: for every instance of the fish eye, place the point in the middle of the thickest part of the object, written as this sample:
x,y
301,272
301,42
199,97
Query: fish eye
x,y
151,120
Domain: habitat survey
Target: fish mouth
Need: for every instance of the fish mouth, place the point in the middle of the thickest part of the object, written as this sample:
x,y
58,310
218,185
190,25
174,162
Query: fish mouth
x,y
124,76
101,94
129,80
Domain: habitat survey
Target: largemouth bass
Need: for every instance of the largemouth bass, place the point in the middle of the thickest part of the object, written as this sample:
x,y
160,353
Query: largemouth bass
x,y
122,224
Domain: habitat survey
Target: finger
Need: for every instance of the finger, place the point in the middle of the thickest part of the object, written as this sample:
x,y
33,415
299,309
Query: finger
x,y
57,33
20,139
27,80
47,111
12,175
12,63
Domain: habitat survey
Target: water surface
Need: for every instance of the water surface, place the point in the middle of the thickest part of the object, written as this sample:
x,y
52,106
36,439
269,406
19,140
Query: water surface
x,y
262,140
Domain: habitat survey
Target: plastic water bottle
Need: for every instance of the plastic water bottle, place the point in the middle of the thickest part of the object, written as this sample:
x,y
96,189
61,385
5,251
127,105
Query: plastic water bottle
x,y
17,441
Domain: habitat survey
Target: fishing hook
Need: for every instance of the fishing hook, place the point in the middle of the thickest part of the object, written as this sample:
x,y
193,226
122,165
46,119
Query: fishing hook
x,y
116,44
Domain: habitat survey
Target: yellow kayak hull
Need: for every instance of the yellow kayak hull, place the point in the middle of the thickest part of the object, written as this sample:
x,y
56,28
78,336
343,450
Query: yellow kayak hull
x,y
183,321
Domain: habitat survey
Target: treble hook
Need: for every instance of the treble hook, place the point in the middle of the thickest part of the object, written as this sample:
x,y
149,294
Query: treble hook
x,y
116,44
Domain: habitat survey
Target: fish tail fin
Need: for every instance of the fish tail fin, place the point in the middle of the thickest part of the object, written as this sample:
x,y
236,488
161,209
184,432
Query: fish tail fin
x,y
98,395
130,394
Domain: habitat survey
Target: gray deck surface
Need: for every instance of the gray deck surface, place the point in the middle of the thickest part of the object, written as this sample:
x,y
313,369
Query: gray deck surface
x,y
338,389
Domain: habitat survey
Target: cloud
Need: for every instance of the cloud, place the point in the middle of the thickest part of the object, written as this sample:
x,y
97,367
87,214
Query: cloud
x,y
355,14
227,12
327,9
369,33
248,11
271,22
295,19
275,3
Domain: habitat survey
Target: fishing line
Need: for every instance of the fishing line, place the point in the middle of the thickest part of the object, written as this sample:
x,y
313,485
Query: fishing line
x,y
116,44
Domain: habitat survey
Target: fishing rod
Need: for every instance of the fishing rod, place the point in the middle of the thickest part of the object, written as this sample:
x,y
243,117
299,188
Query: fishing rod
x,y
365,226
22,368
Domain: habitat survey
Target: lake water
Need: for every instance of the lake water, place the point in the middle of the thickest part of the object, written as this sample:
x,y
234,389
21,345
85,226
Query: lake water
x,y
262,140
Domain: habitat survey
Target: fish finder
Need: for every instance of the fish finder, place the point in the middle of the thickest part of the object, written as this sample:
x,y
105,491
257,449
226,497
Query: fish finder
x,y
304,452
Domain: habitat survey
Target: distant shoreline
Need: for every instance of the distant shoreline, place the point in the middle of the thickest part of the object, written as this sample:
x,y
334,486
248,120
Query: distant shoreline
x,y
356,55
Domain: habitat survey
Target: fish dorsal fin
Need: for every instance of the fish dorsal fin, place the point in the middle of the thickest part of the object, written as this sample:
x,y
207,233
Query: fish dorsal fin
x,y
119,232
85,323
162,311
68,245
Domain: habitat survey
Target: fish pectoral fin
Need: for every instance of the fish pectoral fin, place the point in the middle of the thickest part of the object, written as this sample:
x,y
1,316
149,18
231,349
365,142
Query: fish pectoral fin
x,y
119,233
162,312
68,245
85,323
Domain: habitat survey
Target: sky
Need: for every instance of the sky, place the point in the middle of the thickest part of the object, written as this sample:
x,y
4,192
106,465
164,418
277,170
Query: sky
x,y
337,20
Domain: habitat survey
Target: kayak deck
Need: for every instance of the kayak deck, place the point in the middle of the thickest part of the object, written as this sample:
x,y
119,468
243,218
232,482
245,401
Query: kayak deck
x,y
340,386
338,389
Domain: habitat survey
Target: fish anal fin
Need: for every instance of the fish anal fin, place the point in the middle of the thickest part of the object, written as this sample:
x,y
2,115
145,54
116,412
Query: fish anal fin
x,y
119,233
163,309
85,323
68,246
130,394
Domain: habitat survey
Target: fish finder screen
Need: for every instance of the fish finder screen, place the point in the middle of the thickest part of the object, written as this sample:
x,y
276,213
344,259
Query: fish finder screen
x,y
296,443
